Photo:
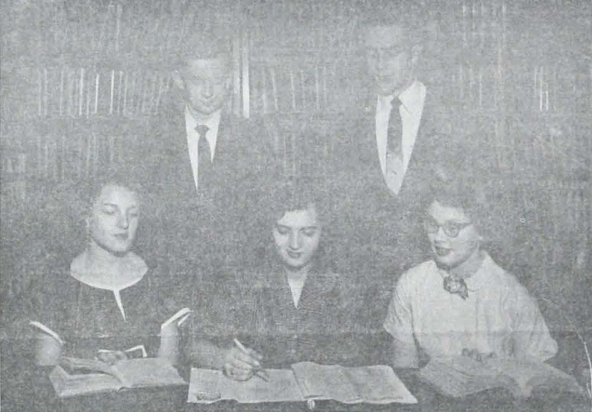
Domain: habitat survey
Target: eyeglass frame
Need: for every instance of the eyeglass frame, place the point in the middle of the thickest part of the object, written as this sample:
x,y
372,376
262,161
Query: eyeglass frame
x,y
451,229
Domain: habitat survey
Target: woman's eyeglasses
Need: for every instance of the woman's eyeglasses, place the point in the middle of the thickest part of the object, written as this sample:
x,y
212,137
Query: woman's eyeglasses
x,y
451,229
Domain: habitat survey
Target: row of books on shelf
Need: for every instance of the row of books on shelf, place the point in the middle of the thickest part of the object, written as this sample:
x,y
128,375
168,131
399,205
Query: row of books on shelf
x,y
86,92
89,28
570,207
311,86
553,88
98,29
279,88
481,23
302,26
58,158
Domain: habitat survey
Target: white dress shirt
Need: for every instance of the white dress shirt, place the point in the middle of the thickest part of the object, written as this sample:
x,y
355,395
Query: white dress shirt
x,y
193,138
411,109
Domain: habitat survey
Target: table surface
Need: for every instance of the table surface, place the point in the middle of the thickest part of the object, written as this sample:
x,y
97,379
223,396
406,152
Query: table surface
x,y
174,399
23,391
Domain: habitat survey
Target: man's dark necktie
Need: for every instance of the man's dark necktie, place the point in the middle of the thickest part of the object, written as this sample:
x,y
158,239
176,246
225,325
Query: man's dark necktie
x,y
395,167
204,159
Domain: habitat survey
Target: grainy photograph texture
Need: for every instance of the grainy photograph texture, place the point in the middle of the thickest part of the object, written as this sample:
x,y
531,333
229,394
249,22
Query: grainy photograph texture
x,y
296,205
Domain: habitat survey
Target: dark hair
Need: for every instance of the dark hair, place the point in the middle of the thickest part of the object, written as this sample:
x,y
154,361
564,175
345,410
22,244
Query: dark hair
x,y
406,15
471,190
204,46
297,193
63,209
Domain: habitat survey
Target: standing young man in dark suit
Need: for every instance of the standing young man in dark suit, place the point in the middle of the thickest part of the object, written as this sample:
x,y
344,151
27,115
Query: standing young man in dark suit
x,y
398,131
207,166
395,135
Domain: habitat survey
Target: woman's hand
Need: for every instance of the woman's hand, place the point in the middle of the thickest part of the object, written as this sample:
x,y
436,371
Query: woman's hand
x,y
47,350
111,356
241,365
169,343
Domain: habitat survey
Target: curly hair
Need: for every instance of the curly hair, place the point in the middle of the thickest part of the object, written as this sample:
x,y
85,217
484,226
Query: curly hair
x,y
473,191
298,193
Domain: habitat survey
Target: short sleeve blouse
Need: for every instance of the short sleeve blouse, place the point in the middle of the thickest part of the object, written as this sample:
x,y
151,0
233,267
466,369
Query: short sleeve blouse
x,y
89,318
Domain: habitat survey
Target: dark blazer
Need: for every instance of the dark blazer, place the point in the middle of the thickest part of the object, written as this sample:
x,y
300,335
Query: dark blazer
x,y
205,228
256,306
371,205
379,232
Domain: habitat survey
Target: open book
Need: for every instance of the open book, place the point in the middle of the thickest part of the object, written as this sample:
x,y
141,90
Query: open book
x,y
74,376
461,376
304,381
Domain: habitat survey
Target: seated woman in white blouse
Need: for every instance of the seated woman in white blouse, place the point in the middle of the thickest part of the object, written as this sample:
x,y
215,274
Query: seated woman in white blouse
x,y
105,299
461,302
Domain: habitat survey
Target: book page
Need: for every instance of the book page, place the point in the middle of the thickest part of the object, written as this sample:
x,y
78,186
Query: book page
x,y
72,365
460,377
325,382
370,384
67,385
528,374
208,386
147,372
379,384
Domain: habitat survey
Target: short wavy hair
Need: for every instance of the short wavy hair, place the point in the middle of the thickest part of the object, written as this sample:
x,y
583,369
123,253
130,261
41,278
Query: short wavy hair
x,y
206,45
62,212
405,14
298,193
473,191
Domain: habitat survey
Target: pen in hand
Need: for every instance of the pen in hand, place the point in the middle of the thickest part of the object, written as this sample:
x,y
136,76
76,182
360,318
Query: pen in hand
x,y
260,371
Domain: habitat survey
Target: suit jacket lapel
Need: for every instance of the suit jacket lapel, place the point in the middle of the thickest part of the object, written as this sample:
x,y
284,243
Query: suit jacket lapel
x,y
315,291
422,153
367,149
185,171
226,150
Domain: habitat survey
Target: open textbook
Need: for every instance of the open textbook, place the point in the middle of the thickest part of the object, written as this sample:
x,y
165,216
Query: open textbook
x,y
461,376
75,376
304,381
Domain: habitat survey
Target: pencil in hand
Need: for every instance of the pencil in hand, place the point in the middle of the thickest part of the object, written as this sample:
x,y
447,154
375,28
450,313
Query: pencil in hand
x,y
260,371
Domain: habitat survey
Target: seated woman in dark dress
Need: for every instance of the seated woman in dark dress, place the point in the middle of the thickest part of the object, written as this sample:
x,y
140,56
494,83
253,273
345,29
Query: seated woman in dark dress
x,y
291,308
102,299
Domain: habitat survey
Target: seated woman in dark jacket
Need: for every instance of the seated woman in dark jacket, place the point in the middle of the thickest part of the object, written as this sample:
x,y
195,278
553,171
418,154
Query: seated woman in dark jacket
x,y
291,308
102,299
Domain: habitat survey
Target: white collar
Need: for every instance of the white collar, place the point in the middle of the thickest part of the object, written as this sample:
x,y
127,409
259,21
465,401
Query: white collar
x,y
411,98
109,282
481,276
212,122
